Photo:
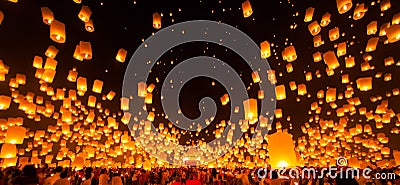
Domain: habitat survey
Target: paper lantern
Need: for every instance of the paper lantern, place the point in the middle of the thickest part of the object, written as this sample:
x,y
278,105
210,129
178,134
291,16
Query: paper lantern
x,y
121,55
326,19
344,5
314,28
341,49
345,79
110,95
371,44
8,162
47,15
156,20
301,89
250,110
318,41
126,118
280,92
37,62
77,53
148,99
289,54
50,64
48,75
92,101
57,31
281,150
334,34
8,150
317,56
359,11
383,28
72,75
85,14
97,86
309,14
124,104
255,77
289,67
51,52
85,49
331,60
385,5
364,84
265,49
224,99
330,95
142,89
81,84
5,102
247,10
393,33
372,28
89,26
15,135
260,94
395,19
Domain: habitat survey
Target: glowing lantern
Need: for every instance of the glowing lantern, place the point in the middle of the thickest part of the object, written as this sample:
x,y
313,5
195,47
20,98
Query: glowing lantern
x,y
92,101
37,62
309,14
110,95
51,52
326,19
72,75
85,49
331,95
121,55
278,113
250,110
331,60
142,86
364,84
124,104
255,76
314,28
383,28
393,33
385,5
85,14
57,31
265,49
308,76
97,86
8,150
10,162
359,11
389,61
334,34
247,10
372,43
341,49
289,67
280,92
48,75
15,135
301,89
5,102
395,19
345,79
372,28
317,56
224,99
89,26
292,85
281,150
156,20
77,53
344,5
260,94
289,54
47,15
126,118
318,41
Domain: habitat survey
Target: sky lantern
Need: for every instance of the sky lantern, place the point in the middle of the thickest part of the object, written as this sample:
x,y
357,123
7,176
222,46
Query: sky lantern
x,y
57,31
364,84
77,53
89,26
72,75
149,98
51,52
341,49
383,28
265,49
85,13
371,44
37,62
309,14
393,33
110,95
372,28
126,118
15,135
318,41
302,89
247,10
344,5
124,103
255,76
359,11
92,101
345,78
280,92
326,19
8,162
121,55
81,84
331,95
156,20
389,61
290,54
260,94
289,68
317,56
142,86
97,86
50,64
47,15
385,5
314,28
85,49
5,102
334,34
395,19
281,150
48,75
250,110
8,150
224,99
331,60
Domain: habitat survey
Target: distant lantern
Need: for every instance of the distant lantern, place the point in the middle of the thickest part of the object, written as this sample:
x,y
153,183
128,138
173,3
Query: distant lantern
x,y
302,89
344,5
72,75
97,86
359,11
247,10
280,92
255,76
290,53
5,102
331,60
148,99
326,19
156,20
224,99
57,31
260,94
142,89
47,15
317,56
15,135
345,78
92,101
372,28
51,52
318,41
330,95
289,67
364,84
314,28
371,44
121,55
85,14
124,103
309,14
8,150
385,5
281,150
77,53
37,62
110,95
85,49
81,84
265,49
341,49
334,34
250,110
393,33
89,26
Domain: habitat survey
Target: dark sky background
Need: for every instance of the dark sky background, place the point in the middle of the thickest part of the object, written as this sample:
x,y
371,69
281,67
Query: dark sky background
x,y
123,24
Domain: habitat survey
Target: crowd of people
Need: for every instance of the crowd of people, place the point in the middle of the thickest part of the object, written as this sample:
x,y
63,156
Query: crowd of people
x,y
29,175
